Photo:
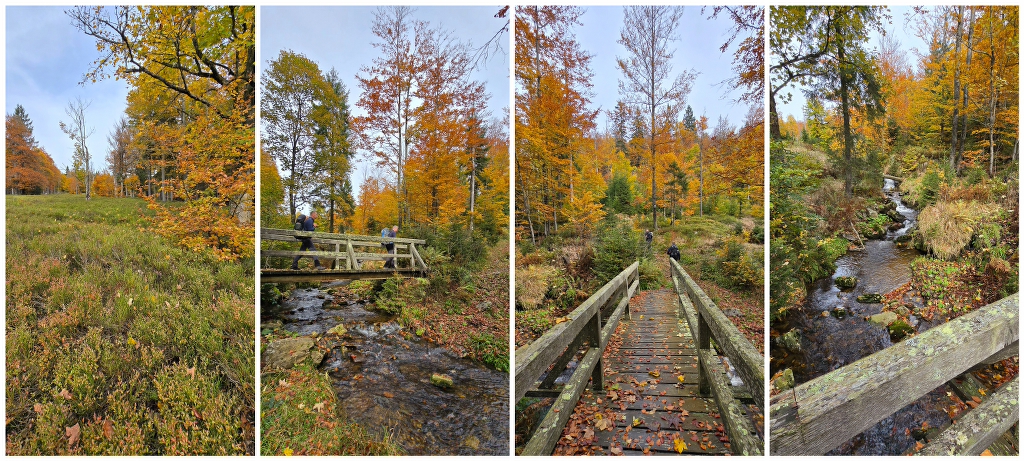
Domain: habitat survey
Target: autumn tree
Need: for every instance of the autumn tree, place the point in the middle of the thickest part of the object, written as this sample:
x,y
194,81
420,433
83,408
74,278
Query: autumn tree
x,y
647,34
29,169
122,156
296,96
748,59
387,86
333,151
552,120
191,73
78,130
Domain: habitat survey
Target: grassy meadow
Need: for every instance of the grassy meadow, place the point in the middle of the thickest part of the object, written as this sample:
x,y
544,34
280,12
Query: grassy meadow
x,y
118,341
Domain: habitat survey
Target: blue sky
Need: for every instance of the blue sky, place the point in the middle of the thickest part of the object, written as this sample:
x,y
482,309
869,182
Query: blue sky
x,y
697,49
898,28
341,37
45,60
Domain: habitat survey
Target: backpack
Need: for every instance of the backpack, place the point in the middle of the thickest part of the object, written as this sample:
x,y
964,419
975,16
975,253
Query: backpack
x,y
384,234
299,221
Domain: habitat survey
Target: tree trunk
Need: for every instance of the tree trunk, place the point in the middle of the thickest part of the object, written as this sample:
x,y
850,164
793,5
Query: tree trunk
x,y
963,131
472,191
956,89
844,84
776,130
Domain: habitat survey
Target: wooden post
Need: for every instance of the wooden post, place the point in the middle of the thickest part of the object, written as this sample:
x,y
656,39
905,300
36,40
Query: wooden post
x,y
337,249
703,344
352,262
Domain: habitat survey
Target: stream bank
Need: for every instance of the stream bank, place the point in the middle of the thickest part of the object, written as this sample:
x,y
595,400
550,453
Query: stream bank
x,y
381,375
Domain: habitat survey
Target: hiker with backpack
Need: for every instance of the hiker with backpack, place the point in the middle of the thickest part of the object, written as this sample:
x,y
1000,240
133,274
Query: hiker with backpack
x,y
308,224
673,252
389,245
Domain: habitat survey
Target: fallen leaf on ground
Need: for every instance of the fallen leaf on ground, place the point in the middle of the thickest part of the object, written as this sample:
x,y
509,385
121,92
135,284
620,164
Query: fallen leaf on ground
x,y
73,433
679,445
389,395
65,393
108,429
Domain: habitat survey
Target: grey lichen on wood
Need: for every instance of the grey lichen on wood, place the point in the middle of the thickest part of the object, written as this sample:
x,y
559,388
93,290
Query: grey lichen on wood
x,y
821,414
742,436
980,427
546,436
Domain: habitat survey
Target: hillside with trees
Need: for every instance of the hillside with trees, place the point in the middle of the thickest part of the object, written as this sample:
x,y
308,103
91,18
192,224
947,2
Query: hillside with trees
x,y
894,176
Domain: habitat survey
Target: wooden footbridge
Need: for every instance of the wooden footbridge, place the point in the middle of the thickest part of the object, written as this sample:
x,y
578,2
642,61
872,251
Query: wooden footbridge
x,y
823,413
656,386
347,257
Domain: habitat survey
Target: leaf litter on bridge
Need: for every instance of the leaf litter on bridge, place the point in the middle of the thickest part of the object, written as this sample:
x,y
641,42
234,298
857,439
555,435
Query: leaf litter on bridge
x,y
649,403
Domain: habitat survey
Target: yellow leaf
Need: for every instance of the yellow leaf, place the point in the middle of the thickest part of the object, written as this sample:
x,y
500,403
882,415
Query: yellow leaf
x,y
679,445
288,452
681,378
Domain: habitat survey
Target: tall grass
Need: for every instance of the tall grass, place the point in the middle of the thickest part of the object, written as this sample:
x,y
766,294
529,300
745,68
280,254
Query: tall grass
x,y
112,331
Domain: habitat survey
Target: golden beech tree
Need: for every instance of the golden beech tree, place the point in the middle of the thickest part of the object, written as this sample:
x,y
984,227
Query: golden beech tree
x,y
191,70
552,118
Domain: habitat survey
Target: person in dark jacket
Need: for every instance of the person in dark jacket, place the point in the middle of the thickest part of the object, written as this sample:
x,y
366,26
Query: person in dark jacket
x,y
308,225
390,246
673,252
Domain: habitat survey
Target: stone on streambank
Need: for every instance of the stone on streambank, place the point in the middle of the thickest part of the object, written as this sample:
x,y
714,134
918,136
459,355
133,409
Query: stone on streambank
x,y
288,352
846,283
883,319
899,329
840,312
441,380
869,298
791,340
783,381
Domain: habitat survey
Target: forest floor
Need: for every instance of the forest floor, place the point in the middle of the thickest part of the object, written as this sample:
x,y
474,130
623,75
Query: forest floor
x,y
119,342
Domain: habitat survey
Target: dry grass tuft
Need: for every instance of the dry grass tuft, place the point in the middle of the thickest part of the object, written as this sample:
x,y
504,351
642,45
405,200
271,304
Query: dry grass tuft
x,y
947,227
532,284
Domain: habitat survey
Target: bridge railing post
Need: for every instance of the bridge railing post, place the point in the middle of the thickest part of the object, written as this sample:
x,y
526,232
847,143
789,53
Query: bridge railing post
x,y
703,344
594,338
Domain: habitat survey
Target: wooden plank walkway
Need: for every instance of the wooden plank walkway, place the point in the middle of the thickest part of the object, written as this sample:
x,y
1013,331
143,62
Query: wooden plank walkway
x,y
650,395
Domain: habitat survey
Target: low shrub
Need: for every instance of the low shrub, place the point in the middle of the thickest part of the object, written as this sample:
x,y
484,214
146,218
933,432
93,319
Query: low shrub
x,y
532,283
947,227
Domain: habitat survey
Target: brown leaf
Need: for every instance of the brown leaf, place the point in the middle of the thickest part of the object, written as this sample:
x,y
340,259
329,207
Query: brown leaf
x,y
615,449
191,372
108,429
66,394
389,395
318,407
38,408
73,433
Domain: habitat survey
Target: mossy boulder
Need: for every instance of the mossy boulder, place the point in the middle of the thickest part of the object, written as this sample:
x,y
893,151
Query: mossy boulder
x,y
339,330
783,381
288,352
899,329
840,312
846,283
441,380
791,340
869,298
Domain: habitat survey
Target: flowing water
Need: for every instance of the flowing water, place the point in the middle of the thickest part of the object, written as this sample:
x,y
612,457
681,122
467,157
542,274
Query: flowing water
x,y
382,380
830,341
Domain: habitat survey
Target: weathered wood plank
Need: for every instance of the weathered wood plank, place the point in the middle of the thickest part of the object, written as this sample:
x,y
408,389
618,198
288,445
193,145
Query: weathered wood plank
x,y
320,241
533,359
561,363
289,276
329,236
331,255
550,429
975,431
739,427
821,414
749,363
613,321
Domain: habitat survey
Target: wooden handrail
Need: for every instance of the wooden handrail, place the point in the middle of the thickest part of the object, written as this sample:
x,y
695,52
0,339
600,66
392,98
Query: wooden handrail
x,y
344,247
562,342
826,411
329,236
709,322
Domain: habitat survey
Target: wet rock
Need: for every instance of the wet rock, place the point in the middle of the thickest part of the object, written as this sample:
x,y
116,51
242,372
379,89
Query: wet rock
x,y
286,353
840,312
883,319
791,340
471,442
339,330
846,283
869,298
441,380
784,381
904,238
903,311
484,306
732,313
272,325
895,226
899,330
